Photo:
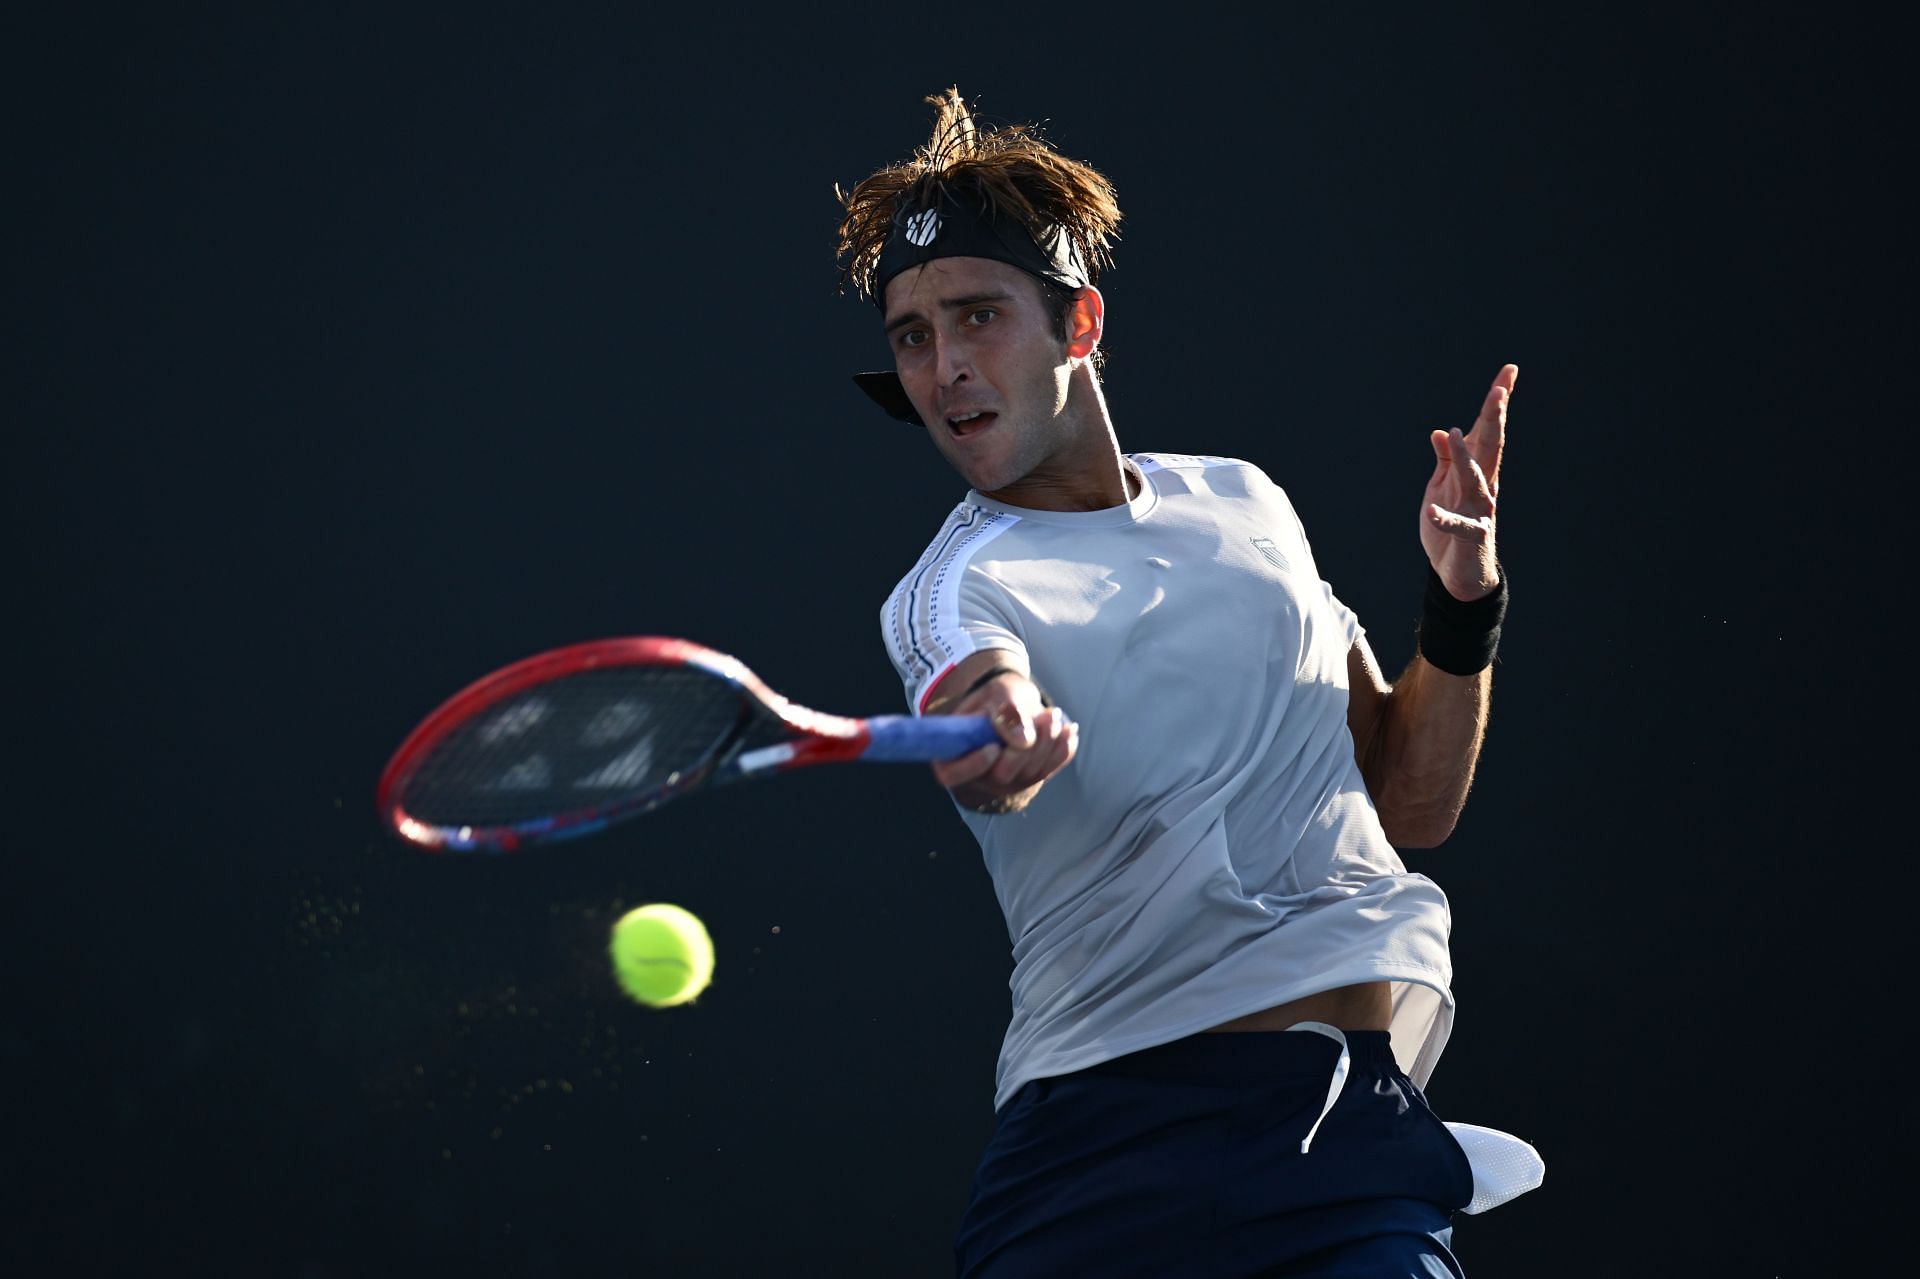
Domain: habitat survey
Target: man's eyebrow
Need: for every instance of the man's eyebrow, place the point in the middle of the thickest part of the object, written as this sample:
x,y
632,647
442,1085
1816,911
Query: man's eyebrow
x,y
946,304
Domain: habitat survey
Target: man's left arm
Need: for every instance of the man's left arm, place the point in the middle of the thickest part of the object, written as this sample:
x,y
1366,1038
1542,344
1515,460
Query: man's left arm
x,y
1417,740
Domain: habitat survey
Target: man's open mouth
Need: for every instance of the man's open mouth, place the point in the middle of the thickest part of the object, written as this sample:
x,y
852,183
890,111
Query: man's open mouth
x,y
971,423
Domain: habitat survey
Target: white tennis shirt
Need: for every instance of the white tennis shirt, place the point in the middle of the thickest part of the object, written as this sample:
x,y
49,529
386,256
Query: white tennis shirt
x,y
1212,850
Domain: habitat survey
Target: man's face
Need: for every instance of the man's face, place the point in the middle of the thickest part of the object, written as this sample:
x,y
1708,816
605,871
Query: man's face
x,y
986,367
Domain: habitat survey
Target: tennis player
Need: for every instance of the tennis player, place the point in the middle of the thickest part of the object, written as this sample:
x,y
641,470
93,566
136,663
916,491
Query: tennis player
x,y
1228,991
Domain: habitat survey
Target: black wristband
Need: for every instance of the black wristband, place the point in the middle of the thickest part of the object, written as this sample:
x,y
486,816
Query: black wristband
x,y
1460,637
995,673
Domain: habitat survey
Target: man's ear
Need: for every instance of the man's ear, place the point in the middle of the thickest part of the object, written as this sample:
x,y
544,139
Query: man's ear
x,y
1086,320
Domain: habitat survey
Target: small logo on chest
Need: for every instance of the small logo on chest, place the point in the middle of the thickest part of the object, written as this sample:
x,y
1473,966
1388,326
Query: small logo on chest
x,y
1265,546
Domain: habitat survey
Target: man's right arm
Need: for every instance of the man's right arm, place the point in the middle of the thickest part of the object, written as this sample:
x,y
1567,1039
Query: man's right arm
x,y
1036,741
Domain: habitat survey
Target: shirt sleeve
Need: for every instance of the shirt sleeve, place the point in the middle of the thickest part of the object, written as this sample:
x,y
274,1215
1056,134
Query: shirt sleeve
x,y
940,614
1345,620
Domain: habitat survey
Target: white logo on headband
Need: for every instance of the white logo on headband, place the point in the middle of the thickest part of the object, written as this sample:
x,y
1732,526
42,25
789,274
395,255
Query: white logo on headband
x,y
922,227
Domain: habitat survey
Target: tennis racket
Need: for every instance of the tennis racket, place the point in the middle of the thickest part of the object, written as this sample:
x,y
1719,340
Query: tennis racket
x,y
567,742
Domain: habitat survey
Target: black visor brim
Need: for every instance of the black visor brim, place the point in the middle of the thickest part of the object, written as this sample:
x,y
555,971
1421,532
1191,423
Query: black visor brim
x,y
885,390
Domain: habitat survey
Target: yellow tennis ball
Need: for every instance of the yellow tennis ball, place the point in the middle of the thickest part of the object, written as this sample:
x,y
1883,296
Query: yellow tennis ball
x,y
661,954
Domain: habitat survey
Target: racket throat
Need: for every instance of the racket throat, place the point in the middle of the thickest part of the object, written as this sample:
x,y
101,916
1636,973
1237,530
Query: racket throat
x,y
765,757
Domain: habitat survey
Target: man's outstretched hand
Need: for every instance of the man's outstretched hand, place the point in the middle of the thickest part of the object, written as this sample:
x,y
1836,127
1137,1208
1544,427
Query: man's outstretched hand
x,y
1457,518
1035,743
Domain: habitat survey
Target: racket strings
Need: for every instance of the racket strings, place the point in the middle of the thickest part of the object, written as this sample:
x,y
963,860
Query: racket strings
x,y
764,730
601,739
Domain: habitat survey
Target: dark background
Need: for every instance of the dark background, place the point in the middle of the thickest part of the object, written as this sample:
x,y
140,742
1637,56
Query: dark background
x,y
358,351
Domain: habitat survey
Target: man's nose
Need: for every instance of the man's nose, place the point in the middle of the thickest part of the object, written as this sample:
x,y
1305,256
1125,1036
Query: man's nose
x,y
952,364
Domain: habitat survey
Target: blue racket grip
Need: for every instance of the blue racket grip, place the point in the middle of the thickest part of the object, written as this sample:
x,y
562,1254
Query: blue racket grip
x,y
901,739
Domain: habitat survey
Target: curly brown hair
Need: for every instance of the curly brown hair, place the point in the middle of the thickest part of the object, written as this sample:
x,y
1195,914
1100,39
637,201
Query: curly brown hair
x,y
1008,169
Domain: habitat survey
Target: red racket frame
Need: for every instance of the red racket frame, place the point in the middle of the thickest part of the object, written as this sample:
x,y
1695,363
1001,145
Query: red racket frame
x,y
818,738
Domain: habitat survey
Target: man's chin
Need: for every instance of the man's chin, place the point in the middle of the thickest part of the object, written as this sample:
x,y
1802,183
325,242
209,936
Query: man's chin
x,y
991,469
983,475
985,480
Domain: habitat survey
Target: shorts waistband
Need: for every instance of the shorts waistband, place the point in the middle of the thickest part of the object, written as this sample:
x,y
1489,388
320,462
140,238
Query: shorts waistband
x,y
1234,1056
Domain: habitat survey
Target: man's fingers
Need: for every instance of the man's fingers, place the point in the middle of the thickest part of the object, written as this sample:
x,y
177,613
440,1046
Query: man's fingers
x,y
1010,703
1489,436
1500,391
1458,479
1027,766
1063,751
969,767
1036,741
1037,765
1470,465
1014,726
1442,462
1454,524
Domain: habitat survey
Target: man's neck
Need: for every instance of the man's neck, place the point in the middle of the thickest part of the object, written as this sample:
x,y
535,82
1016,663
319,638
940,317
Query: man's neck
x,y
1094,477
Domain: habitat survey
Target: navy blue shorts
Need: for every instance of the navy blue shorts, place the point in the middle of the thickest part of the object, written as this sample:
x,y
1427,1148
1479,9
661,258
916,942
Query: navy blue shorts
x,y
1184,1160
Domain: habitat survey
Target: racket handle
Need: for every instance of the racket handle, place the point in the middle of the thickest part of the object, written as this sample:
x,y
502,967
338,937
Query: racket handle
x,y
901,739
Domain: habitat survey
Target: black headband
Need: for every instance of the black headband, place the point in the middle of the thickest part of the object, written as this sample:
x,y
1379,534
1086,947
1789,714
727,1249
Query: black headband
x,y
961,229
973,229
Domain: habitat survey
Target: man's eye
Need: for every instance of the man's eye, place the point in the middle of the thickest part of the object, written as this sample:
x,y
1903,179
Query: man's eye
x,y
913,337
982,316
